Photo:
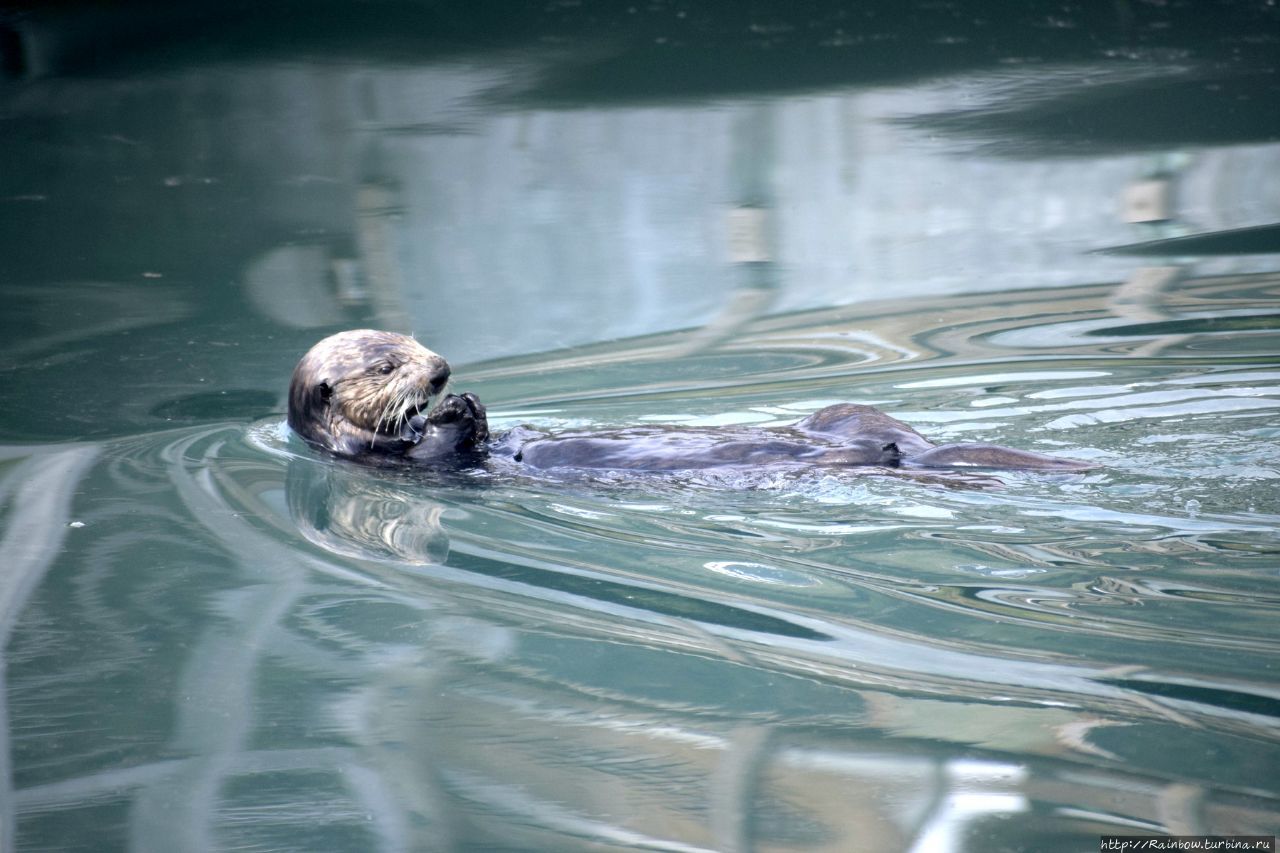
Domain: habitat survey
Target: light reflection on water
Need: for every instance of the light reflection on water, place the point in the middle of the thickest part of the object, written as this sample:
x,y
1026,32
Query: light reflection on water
x,y
507,658
215,638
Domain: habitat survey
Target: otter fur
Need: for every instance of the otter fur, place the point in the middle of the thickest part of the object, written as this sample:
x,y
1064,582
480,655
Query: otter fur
x,y
365,395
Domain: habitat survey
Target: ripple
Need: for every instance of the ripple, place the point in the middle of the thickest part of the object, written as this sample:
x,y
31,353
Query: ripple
x,y
761,573
1030,588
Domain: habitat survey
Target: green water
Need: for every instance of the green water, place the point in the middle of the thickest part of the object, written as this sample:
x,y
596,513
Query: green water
x,y
217,639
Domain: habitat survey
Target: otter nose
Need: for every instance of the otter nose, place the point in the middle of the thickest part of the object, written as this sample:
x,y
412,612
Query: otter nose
x,y
437,375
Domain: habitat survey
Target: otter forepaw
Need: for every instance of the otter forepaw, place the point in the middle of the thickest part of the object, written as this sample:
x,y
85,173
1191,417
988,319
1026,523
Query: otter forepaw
x,y
455,424
466,412
450,410
479,415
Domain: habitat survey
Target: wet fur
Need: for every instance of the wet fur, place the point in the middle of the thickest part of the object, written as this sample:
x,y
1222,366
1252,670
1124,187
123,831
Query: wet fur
x,y
842,435
355,392
363,394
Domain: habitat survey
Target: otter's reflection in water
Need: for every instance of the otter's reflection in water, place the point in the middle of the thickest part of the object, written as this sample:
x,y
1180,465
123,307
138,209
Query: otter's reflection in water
x,y
354,512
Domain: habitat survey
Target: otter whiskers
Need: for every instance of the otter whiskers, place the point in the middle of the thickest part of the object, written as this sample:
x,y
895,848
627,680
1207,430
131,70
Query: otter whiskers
x,y
395,414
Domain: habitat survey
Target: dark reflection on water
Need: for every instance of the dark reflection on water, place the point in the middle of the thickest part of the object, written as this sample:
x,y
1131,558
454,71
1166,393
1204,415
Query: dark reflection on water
x,y
1069,112
615,214
1258,240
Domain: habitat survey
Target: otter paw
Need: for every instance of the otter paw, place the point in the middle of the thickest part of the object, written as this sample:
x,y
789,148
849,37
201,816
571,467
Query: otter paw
x,y
456,423
450,410
466,412
479,415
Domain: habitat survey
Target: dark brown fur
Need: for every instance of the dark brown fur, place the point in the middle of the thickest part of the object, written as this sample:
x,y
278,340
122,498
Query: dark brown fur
x,y
845,434
363,394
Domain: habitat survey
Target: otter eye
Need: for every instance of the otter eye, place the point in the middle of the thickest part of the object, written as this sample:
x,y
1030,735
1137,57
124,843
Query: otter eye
x,y
386,367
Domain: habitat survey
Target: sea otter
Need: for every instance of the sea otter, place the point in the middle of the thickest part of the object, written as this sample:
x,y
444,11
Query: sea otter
x,y
365,395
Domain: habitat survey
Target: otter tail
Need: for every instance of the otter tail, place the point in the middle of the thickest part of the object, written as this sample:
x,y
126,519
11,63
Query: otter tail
x,y
991,456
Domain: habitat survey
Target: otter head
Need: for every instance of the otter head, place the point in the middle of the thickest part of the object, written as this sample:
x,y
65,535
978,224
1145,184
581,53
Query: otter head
x,y
353,392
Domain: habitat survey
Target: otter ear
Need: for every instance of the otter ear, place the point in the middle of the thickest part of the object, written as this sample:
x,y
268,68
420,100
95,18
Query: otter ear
x,y
324,391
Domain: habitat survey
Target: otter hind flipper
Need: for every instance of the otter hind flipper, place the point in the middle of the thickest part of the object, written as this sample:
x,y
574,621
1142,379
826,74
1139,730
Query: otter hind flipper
x,y
992,456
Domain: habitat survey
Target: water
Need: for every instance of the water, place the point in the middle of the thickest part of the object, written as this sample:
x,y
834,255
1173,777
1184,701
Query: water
x,y
217,639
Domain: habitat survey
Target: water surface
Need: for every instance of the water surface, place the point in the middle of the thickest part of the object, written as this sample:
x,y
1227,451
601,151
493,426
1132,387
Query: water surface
x,y
216,638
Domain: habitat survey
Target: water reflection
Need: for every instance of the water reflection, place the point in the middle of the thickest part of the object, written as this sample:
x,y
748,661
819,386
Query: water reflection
x,y
354,512
215,638
405,196
538,683
482,661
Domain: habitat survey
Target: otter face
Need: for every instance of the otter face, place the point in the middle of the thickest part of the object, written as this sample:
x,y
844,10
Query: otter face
x,y
354,392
